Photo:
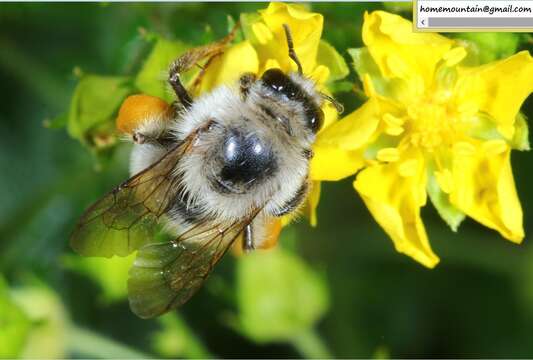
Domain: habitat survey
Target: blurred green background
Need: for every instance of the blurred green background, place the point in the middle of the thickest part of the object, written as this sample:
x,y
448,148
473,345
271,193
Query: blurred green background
x,y
338,290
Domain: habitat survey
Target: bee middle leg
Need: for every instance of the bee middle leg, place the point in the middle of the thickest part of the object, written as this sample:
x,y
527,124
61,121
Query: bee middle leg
x,y
248,243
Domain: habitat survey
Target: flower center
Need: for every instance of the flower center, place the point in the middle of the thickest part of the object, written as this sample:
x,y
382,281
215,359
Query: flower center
x,y
430,123
435,118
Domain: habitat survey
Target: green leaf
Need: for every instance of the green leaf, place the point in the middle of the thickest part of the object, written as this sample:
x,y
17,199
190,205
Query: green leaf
x,y
247,19
279,296
94,105
449,213
363,63
47,337
492,46
329,57
341,86
239,36
176,339
59,122
381,352
398,6
152,79
110,274
520,139
484,127
14,325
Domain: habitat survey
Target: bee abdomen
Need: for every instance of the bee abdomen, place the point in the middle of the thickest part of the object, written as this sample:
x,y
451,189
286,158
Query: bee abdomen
x,y
185,210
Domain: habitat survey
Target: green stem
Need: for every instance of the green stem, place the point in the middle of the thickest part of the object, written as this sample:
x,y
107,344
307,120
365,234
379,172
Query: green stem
x,y
90,344
311,346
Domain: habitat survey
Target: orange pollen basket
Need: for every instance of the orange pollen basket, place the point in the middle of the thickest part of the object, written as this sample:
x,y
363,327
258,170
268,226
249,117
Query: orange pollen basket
x,y
137,109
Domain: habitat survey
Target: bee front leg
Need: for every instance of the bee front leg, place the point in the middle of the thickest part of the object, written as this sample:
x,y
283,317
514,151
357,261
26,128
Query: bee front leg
x,y
248,244
138,137
245,83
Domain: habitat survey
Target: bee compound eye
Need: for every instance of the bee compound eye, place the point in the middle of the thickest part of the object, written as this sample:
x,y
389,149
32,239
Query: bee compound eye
x,y
315,119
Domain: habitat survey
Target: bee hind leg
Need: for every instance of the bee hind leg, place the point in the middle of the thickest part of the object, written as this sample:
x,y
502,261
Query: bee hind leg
x,y
177,86
189,59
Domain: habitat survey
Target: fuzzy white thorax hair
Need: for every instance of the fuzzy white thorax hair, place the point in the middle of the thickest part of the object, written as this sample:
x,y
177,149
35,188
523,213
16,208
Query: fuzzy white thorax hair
x,y
225,107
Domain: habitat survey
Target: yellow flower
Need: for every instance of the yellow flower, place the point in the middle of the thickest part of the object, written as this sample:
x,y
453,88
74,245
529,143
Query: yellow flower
x,y
431,127
265,47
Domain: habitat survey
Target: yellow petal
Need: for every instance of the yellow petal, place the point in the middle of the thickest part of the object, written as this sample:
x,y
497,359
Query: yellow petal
x,y
356,129
498,88
333,163
319,75
339,148
262,33
484,189
226,68
330,114
306,29
398,51
312,202
395,201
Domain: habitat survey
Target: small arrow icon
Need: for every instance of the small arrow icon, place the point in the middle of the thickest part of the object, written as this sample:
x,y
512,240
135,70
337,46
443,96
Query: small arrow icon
x,y
423,22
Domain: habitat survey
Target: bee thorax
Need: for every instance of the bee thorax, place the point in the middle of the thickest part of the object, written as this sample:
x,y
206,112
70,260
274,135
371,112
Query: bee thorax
x,y
245,159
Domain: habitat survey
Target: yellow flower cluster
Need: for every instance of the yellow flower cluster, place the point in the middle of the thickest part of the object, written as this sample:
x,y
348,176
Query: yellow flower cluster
x,y
430,126
266,47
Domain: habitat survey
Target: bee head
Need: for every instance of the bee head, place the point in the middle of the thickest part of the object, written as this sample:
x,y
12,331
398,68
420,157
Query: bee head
x,y
289,87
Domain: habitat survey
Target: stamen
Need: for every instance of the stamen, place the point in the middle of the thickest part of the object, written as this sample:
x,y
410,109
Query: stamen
x,y
392,120
394,130
388,155
454,56
393,124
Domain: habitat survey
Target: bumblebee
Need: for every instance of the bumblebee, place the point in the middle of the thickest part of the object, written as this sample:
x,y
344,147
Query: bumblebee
x,y
230,162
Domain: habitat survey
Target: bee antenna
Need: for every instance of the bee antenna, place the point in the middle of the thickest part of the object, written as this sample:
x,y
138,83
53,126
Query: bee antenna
x,y
292,53
338,106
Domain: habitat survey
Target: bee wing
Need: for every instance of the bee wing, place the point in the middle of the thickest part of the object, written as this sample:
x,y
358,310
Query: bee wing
x,y
126,218
166,275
